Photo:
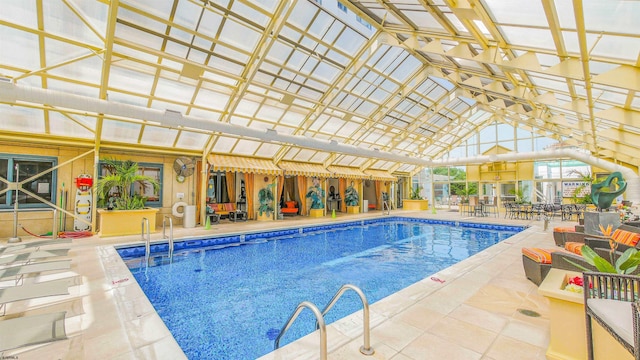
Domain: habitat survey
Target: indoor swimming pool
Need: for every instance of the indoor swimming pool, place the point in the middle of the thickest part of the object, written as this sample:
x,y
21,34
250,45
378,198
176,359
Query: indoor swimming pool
x,y
228,297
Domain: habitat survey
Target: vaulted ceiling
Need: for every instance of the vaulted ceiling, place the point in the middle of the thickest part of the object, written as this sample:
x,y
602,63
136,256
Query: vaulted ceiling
x,y
412,77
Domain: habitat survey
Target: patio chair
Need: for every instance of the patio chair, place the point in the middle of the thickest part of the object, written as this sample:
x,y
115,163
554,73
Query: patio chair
x,y
19,271
32,330
32,291
34,255
35,245
612,301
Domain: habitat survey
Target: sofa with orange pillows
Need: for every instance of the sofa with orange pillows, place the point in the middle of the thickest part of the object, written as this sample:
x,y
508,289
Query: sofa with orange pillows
x,y
290,208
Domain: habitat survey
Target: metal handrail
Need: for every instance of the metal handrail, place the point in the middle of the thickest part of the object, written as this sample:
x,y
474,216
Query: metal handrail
x,y
366,348
164,236
320,321
385,204
147,241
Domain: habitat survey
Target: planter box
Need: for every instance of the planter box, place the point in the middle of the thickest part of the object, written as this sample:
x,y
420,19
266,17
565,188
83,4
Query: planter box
x,y
415,204
265,216
125,222
353,209
316,213
567,325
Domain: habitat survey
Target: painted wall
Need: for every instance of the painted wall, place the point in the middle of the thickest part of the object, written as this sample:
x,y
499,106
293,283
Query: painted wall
x,y
41,221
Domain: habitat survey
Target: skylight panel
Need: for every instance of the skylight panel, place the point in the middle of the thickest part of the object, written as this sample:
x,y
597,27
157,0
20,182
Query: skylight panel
x,y
270,113
349,41
209,24
529,37
22,119
62,21
239,36
61,125
550,84
598,16
617,47
517,12
246,147
247,12
120,131
191,140
158,136
19,12
224,144
174,90
456,23
21,51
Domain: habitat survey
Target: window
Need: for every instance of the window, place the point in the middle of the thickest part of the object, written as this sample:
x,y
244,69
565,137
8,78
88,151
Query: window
x,y
42,186
342,7
154,199
361,21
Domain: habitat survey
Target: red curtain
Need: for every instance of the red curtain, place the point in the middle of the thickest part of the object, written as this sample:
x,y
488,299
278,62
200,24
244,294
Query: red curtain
x,y
249,180
302,191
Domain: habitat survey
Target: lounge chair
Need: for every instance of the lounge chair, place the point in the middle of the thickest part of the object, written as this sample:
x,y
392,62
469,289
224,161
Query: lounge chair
x,y
32,330
32,291
35,245
28,257
19,271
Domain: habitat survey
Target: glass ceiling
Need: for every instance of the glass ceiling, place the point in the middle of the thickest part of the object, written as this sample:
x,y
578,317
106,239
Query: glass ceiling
x,y
413,78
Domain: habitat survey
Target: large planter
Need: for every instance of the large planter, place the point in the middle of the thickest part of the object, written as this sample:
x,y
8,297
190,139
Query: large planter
x,y
125,222
415,204
266,216
567,323
316,213
353,209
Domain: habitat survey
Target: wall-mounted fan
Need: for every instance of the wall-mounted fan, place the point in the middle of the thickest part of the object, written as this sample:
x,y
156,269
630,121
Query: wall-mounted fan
x,y
184,167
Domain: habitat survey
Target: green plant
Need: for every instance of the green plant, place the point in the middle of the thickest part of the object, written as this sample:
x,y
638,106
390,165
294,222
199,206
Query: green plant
x,y
415,193
121,176
265,196
351,197
316,194
520,196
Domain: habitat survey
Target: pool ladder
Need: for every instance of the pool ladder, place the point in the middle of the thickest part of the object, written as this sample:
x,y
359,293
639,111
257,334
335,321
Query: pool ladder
x,y
164,236
147,238
365,349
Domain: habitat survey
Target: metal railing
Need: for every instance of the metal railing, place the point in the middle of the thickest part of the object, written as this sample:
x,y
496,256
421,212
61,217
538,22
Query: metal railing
x,y
321,325
365,349
147,240
15,238
164,236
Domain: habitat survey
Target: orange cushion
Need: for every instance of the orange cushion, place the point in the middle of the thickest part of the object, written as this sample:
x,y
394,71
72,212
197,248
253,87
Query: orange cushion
x,y
564,229
228,207
542,256
290,204
574,247
626,237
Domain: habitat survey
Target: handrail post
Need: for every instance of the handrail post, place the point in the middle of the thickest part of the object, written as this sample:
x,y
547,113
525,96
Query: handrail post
x,y
366,348
321,326
170,234
147,240
54,229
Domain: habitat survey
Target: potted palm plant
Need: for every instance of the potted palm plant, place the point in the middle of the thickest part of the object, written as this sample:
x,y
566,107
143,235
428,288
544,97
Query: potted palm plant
x,y
125,208
316,194
352,199
265,196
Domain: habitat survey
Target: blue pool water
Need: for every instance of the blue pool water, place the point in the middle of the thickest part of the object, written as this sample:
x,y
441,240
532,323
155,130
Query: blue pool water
x,y
222,301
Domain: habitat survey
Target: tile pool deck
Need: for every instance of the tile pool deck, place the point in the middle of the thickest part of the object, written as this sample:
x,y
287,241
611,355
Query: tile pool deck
x,y
472,312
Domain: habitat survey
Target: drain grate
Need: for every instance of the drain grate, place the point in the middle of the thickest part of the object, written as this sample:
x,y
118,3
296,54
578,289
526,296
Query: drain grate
x,y
527,312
